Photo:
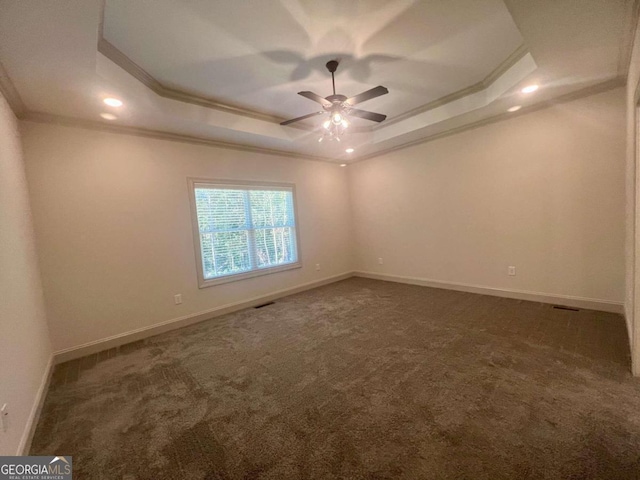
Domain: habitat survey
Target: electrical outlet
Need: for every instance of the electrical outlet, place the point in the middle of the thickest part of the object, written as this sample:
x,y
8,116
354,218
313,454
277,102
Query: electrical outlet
x,y
4,417
380,262
317,266
512,271
178,298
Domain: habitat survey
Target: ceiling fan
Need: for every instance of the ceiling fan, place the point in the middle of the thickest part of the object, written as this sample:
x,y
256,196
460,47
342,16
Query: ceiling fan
x,y
339,107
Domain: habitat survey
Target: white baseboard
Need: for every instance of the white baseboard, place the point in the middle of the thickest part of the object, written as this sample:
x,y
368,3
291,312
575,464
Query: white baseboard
x,y
34,415
565,300
158,328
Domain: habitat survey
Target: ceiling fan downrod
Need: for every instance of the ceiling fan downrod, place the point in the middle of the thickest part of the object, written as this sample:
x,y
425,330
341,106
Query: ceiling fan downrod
x,y
332,66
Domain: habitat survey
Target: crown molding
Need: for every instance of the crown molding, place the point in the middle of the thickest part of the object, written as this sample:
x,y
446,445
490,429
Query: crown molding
x,y
626,46
483,84
617,82
123,61
118,57
8,90
40,117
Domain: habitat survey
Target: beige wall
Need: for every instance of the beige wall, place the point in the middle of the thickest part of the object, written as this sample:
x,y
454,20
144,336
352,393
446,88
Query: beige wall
x,y
114,234
543,191
632,302
24,343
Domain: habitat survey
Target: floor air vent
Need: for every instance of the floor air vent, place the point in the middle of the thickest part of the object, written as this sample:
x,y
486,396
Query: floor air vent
x,y
264,305
560,307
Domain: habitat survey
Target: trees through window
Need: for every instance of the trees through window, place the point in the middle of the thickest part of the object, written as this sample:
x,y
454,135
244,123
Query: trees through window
x,y
244,229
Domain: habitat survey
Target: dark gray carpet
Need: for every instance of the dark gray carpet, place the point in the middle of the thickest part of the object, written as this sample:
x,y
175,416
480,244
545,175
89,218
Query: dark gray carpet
x,y
358,379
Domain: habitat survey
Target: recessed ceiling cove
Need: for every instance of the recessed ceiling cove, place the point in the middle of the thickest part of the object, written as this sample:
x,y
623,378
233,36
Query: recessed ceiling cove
x,y
228,72
257,55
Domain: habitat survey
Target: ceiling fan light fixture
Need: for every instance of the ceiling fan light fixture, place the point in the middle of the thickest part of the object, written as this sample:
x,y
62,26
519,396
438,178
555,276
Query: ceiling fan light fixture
x,y
339,107
335,126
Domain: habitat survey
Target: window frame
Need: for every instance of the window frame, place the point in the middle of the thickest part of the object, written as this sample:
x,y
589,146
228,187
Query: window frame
x,y
193,183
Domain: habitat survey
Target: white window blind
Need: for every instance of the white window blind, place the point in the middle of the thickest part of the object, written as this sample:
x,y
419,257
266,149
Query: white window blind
x,y
243,230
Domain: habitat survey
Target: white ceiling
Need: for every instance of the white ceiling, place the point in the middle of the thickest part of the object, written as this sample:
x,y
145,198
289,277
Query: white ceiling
x,y
230,51
229,71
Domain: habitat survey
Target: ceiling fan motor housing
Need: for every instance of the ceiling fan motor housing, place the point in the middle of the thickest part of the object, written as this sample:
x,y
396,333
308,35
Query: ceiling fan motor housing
x,y
336,101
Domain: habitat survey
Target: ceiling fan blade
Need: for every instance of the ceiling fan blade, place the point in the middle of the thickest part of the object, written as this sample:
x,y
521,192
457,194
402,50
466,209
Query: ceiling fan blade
x,y
316,98
287,122
368,95
375,117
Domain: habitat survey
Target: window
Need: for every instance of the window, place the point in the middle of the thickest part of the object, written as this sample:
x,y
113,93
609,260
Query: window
x,y
242,230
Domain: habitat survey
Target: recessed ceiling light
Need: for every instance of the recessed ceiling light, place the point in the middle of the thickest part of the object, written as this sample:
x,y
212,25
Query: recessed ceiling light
x,y
515,108
349,150
530,88
113,102
108,116
343,164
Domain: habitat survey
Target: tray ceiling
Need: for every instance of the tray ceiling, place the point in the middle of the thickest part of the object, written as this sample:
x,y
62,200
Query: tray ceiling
x,y
235,53
228,72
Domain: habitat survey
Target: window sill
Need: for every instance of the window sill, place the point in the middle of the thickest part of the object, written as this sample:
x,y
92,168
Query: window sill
x,y
253,273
